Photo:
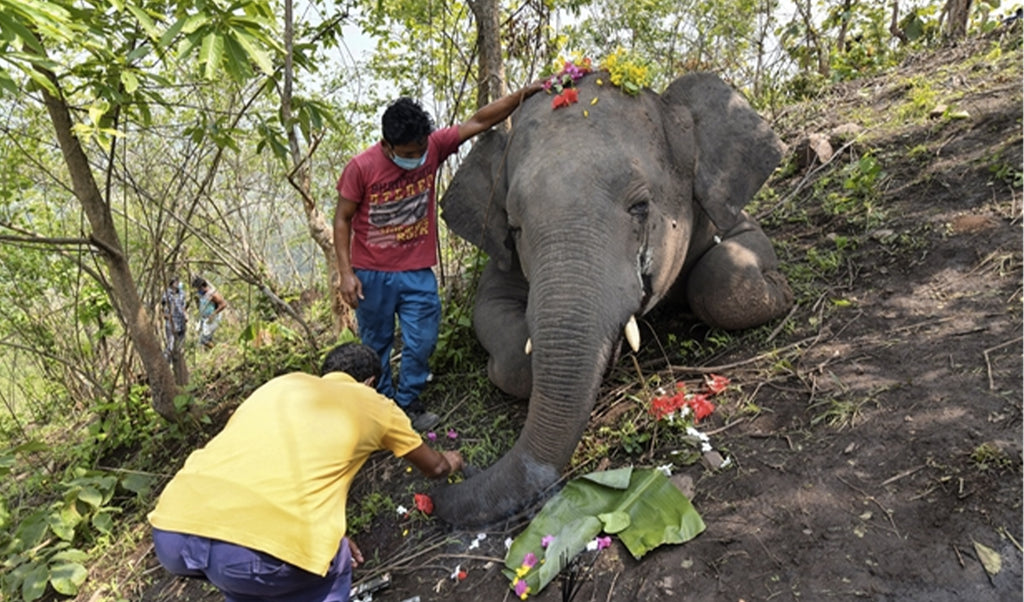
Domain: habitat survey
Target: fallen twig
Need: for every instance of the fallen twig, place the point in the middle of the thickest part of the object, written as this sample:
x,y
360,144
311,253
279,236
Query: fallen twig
x,y
988,361
905,473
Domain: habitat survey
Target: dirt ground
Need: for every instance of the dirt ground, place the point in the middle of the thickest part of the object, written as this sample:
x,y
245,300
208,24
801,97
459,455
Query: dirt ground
x,y
889,438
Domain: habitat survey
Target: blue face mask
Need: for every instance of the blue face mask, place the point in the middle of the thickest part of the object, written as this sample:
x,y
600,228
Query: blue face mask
x,y
410,163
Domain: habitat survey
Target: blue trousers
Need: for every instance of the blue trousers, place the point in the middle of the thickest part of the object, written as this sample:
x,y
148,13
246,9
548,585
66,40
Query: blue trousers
x,y
245,575
412,296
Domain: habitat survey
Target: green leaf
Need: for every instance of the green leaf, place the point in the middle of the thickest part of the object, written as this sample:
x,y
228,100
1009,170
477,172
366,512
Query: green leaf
x,y
67,577
145,21
642,506
211,54
7,84
659,512
237,61
255,53
91,496
34,585
614,522
31,530
618,478
129,81
104,522
63,523
137,483
69,555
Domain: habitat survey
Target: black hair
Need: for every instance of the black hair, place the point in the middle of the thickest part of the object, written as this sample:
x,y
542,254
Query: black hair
x,y
355,359
173,280
198,282
405,121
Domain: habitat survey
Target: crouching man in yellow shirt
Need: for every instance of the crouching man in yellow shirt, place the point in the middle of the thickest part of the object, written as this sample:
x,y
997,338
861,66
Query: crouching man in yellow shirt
x,y
260,510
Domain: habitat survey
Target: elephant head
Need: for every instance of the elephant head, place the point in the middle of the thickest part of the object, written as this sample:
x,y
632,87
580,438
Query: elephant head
x,y
592,215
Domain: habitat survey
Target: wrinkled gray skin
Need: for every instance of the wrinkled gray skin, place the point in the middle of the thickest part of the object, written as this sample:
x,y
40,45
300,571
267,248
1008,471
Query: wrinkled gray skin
x,y
588,220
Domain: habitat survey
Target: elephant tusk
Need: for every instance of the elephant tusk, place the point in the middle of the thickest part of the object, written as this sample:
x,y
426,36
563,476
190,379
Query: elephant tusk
x,y
633,334
529,346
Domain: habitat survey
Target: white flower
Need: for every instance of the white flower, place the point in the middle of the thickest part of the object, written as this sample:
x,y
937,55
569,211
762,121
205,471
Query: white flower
x,y
402,510
481,536
695,433
508,542
705,447
474,544
455,573
666,468
726,462
592,545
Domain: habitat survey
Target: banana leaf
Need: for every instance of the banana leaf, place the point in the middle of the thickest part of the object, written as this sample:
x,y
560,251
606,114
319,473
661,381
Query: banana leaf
x,y
642,507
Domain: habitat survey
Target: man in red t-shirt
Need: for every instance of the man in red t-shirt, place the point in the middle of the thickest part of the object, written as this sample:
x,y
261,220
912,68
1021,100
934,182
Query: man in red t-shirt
x,y
385,236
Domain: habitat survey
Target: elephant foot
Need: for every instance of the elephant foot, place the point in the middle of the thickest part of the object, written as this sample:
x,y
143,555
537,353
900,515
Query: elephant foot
x,y
503,492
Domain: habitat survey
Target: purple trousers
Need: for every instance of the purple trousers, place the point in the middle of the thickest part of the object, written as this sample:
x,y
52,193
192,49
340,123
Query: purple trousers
x,y
246,575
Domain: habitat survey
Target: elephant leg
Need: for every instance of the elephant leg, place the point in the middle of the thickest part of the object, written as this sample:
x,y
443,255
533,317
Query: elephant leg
x,y
736,284
499,319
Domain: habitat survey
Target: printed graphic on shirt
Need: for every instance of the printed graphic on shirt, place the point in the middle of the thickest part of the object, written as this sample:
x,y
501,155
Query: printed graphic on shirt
x,y
397,221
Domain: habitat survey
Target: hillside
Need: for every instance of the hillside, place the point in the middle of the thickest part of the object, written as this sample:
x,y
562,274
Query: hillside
x,y
875,432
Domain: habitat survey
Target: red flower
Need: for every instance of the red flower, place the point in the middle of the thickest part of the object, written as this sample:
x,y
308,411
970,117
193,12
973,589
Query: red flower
x,y
423,503
462,575
702,408
715,383
663,406
566,98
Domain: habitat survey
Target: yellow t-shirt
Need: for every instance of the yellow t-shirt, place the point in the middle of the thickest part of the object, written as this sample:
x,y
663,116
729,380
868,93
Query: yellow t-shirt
x,y
277,477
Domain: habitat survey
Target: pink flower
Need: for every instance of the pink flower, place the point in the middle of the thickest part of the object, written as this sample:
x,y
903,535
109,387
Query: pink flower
x,y
432,436
453,435
603,542
546,540
529,560
522,589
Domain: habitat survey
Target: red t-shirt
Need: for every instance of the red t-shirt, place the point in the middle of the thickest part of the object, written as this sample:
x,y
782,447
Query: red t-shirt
x,y
394,228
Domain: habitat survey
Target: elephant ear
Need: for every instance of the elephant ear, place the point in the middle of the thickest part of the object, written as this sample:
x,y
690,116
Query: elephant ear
x,y
736,149
473,206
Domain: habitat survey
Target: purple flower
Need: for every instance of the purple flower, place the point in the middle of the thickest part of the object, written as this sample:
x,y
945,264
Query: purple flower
x,y
452,434
432,436
521,589
546,540
529,560
603,542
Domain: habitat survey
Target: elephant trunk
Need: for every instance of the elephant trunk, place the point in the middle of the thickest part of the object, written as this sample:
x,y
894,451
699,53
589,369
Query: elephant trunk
x,y
573,334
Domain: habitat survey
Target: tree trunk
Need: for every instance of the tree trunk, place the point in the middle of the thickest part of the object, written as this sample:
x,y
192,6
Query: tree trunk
x,y
958,12
137,320
491,68
844,26
321,232
894,25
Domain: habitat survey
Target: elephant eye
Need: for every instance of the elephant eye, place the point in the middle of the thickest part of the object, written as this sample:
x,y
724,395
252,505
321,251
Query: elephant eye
x,y
639,210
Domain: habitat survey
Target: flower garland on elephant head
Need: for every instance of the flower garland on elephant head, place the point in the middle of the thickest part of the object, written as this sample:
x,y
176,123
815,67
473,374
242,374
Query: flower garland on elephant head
x,y
624,71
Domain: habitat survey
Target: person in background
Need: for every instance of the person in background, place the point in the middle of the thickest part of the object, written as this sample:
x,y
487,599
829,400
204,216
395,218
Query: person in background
x,y
260,510
211,304
385,237
175,319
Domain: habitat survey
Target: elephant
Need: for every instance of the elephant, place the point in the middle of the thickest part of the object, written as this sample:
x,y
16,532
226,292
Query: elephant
x,y
590,216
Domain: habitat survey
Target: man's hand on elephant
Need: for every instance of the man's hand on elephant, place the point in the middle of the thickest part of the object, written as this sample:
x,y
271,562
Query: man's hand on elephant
x,y
455,461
